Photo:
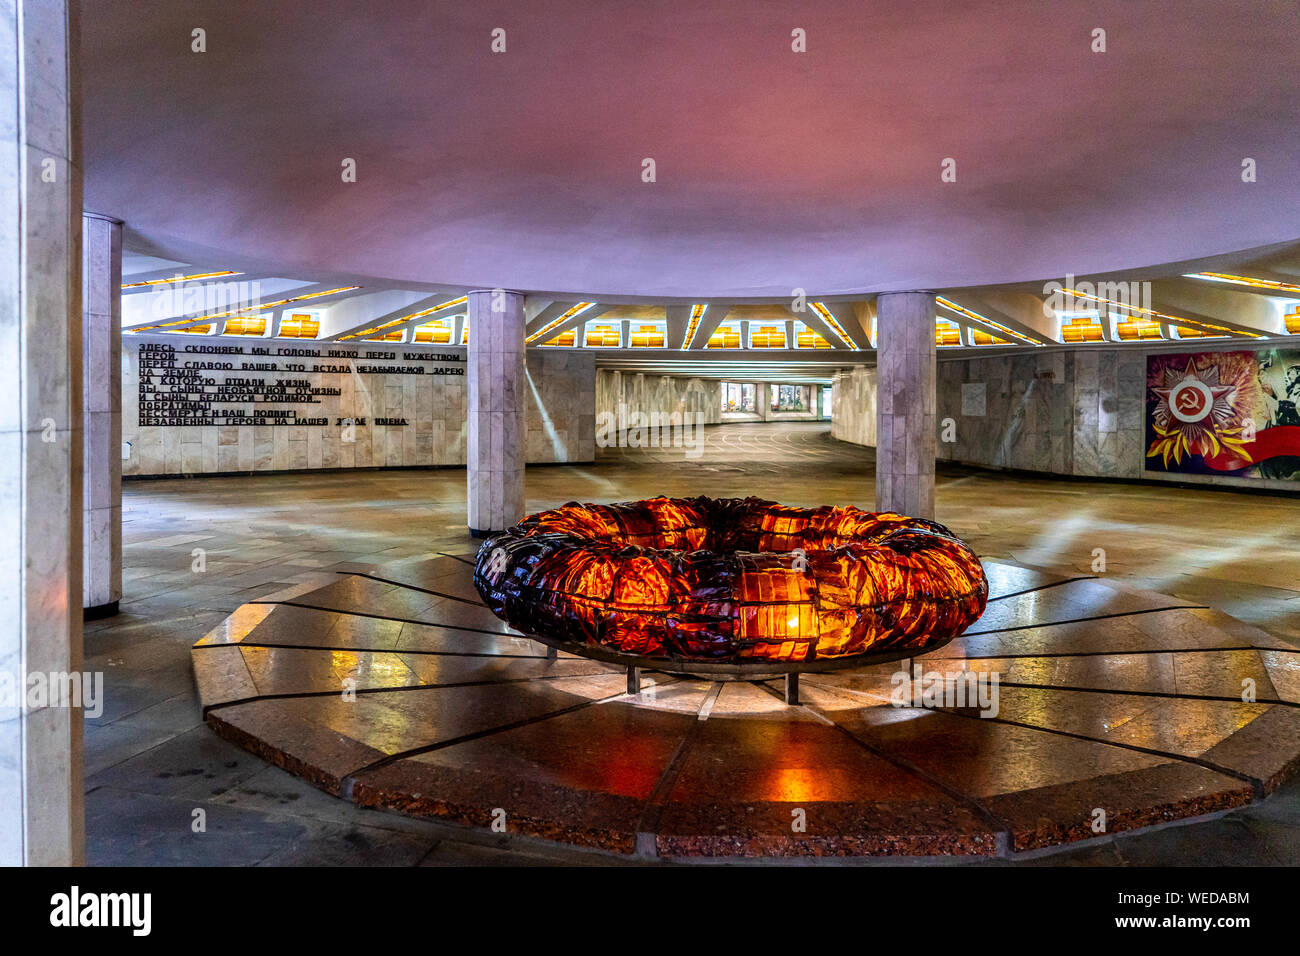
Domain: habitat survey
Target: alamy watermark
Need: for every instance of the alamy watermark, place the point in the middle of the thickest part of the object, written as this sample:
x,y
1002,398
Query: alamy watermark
x,y
53,689
179,297
624,428
935,689
1082,295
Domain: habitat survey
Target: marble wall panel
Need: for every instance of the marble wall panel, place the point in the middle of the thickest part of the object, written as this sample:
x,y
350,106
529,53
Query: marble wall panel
x,y
559,399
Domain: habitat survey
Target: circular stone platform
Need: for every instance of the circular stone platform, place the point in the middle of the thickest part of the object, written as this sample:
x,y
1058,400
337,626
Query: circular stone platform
x,y
397,688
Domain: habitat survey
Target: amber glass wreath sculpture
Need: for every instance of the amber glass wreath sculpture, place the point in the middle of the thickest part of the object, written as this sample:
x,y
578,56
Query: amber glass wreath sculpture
x,y
731,580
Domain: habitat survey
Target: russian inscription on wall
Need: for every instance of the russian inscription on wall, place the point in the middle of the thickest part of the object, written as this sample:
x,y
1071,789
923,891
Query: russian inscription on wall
x,y
223,406
256,385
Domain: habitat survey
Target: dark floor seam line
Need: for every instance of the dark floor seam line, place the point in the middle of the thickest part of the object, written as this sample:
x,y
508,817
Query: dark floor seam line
x,y
374,650
385,617
457,557
652,813
306,694
1257,785
1054,654
348,781
1084,620
1163,695
1041,587
413,587
1002,831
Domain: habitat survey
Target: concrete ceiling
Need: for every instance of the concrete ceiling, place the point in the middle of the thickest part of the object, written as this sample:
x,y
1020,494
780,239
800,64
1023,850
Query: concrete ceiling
x,y
775,170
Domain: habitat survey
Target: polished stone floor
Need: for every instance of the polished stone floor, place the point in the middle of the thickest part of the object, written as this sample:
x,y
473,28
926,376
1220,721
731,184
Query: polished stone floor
x,y
397,688
198,549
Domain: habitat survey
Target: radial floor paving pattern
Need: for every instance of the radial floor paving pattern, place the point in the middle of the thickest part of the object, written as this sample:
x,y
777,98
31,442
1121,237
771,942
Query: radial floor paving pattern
x,y
394,687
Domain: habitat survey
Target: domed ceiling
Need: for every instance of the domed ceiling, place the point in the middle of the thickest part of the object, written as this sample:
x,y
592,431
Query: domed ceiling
x,y
773,169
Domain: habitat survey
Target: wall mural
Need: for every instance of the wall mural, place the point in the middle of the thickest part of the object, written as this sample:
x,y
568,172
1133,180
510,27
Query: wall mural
x,y
1224,413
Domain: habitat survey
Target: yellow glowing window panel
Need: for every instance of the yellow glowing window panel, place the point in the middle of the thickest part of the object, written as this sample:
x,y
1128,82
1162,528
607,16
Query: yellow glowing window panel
x,y
1186,332
697,313
555,324
1011,337
563,340
198,329
1271,285
648,337
768,337
245,325
310,295
190,278
300,325
1292,321
464,334
983,338
264,305
602,336
829,319
946,333
1132,328
725,337
437,332
393,336
1141,310
806,338
1082,328
370,332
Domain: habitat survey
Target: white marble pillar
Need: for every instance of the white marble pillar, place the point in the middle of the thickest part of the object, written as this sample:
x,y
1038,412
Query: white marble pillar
x,y
905,426
101,331
41,809
495,449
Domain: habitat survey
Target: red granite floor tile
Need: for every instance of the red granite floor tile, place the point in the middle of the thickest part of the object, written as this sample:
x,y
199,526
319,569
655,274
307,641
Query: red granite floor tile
x,y
591,791
692,768
221,675
1284,673
1180,726
296,670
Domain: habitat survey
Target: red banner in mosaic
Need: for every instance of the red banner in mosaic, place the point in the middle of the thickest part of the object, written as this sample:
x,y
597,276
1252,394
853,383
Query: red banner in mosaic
x,y
1225,413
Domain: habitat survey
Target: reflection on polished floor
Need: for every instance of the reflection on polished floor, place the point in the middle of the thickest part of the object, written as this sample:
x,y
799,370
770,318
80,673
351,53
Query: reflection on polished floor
x,y
151,761
1108,697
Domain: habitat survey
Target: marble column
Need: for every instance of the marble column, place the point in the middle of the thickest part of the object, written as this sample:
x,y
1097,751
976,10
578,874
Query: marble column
x,y
41,808
101,332
495,449
905,425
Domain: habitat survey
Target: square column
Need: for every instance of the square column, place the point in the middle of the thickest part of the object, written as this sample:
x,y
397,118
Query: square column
x,y
905,425
101,331
41,790
495,448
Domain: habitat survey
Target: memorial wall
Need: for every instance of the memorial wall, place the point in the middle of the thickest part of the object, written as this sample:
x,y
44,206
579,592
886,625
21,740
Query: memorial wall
x,y
1096,412
194,405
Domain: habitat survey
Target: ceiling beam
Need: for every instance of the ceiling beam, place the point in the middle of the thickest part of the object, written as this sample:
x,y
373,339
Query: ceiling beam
x,y
226,309
810,318
582,318
966,322
1214,303
402,311
166,278
1019,311
1250,289
546,315
847,315
677,319
713,316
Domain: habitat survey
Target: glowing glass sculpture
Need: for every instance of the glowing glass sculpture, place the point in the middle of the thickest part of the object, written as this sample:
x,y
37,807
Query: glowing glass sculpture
x,y
731,580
